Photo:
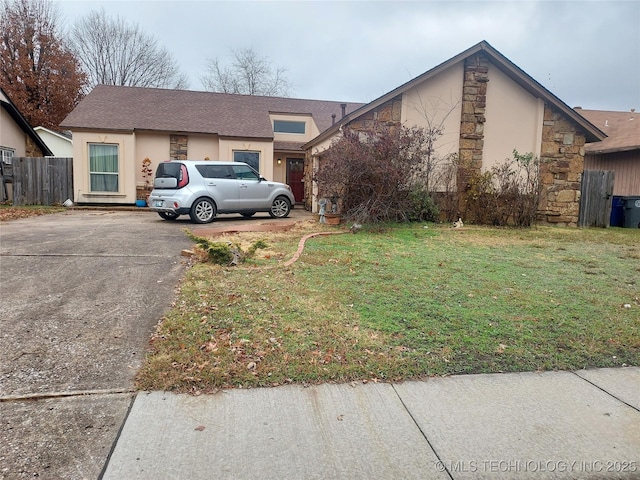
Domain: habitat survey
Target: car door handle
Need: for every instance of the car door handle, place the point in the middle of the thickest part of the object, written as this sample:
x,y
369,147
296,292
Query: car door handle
x,y
243,185
211,184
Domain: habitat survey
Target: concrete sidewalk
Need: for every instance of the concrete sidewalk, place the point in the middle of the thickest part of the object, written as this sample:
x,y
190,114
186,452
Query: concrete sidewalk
x,y
584,424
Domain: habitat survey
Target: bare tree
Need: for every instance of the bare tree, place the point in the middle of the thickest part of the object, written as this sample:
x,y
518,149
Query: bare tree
x,y
114,52
248,74
38,72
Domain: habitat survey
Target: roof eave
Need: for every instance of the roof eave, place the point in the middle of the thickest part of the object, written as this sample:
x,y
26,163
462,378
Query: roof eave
x,y
603,151
24,125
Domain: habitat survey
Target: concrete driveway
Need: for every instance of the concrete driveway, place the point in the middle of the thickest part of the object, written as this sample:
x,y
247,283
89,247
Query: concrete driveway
x,y
80,294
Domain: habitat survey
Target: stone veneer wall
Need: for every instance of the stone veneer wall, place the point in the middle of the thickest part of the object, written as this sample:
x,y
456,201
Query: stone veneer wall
x,y
389,114
561,167
31,149
178,147
474,103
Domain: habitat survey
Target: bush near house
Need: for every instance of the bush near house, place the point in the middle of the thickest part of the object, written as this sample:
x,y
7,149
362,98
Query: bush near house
x,y
379,174
384,173
506,195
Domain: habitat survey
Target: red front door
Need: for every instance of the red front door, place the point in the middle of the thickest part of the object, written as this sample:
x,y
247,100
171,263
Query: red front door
x,y
295,177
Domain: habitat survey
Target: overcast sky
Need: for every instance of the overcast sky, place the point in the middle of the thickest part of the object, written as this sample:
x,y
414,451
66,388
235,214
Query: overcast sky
x,y
585,52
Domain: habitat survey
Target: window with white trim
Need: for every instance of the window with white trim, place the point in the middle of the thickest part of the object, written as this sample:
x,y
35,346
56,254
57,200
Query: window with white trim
x,y
103,167
248,157
6,154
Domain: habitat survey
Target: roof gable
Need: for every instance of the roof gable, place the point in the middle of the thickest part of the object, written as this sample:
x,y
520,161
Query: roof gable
x,y
497,59
230,115
13,111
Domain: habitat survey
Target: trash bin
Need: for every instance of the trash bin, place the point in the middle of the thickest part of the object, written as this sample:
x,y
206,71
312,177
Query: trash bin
x,y
617,212
631,212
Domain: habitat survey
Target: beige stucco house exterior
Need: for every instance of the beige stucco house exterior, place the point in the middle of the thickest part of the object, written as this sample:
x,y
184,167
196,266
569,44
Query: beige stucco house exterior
x,y
487,107
132,124
17,137
485,104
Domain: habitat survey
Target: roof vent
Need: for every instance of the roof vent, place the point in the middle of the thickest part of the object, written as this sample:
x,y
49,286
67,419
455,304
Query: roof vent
x,y
333,119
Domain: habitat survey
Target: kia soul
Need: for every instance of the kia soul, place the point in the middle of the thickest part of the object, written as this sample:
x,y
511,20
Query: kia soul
x,y
203,189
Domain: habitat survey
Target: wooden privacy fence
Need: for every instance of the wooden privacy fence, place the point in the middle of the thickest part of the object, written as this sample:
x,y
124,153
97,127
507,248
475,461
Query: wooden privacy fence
x,y
42,181
596,198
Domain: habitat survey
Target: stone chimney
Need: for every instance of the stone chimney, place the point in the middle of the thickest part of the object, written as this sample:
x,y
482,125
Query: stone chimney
x,y
343,106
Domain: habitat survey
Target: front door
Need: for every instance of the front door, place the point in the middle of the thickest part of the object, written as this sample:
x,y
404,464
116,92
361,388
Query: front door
x,y
295,177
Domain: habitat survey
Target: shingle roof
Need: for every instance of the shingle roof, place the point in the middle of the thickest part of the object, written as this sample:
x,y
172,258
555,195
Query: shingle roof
x,y
182,111
622,129
288,146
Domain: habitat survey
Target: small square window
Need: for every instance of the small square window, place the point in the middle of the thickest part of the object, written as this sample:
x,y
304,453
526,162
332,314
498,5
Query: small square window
x,y
7,154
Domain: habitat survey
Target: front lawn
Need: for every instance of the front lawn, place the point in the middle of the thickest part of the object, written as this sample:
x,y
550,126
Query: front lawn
x,y
403,303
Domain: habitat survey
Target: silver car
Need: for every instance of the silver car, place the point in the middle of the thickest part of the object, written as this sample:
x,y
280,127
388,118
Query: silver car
x,y
206,188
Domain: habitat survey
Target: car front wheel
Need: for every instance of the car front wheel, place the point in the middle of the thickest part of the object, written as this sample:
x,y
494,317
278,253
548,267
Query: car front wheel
x,y
280,208
203,210
168,215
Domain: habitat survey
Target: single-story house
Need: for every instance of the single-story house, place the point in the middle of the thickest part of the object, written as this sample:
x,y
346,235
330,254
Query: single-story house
x,y
60,144
619,152
486,105
130,124
17,139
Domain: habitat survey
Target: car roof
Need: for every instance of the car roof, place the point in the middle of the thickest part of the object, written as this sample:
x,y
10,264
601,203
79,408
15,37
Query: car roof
x,y
205,162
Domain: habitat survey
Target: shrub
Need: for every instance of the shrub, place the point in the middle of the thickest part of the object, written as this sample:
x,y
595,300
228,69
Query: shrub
x,y
508,194
379,174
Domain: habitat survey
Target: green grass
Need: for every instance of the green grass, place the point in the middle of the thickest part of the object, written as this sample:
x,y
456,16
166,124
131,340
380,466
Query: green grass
x,y
404,303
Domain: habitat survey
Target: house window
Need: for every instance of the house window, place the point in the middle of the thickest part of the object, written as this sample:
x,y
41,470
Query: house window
x,y
286,126
250,158
103,167
6,154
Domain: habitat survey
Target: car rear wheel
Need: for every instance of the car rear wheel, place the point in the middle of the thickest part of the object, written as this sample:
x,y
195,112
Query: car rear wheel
x,y
280,208
203,210
168,215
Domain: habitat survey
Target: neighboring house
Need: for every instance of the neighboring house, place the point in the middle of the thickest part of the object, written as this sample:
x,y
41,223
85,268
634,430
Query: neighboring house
x,y
17,139
619,152
487,107
60,144
115,128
